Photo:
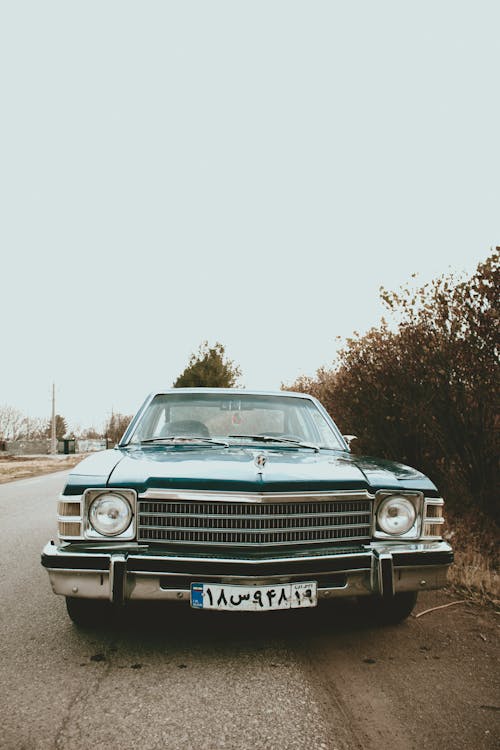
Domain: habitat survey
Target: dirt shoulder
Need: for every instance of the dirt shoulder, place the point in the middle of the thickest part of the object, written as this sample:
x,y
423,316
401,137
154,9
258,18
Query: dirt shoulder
x,y
432,682
23,467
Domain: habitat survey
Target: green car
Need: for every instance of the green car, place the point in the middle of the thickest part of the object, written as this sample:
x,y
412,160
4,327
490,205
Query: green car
x,y
239,500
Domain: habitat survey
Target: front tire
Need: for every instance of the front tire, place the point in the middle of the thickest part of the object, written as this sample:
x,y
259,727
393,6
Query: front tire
x,y
388,611
88,612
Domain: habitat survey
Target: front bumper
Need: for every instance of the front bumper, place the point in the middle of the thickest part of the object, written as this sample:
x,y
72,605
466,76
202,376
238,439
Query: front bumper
x,y
138,572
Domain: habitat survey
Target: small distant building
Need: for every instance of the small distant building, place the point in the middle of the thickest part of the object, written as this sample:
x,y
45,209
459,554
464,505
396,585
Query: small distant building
x,y
66,445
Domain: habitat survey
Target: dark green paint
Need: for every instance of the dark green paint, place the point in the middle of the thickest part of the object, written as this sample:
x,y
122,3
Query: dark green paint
x,y
234,469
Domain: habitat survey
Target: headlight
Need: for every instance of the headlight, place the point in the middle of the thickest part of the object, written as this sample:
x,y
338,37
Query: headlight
x,y
110,514
396,515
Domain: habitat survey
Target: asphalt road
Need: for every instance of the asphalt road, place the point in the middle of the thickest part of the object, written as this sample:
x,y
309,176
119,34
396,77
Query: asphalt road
x,y
169,677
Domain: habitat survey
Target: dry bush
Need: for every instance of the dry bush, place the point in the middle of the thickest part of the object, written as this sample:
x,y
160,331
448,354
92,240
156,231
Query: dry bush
x,y
477,557
426,392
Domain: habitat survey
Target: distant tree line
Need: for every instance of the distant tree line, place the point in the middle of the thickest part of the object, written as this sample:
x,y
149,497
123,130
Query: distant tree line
x,y
115,427
425,392
14,425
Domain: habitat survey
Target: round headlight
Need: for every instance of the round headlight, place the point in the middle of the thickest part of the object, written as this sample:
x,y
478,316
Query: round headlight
x,y
110,514
396,515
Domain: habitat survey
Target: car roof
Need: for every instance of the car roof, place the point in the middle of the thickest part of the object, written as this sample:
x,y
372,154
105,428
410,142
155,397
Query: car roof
x,y
238,391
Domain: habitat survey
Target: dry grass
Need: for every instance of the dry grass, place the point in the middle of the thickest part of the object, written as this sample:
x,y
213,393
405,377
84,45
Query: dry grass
x,y
13,468
476,569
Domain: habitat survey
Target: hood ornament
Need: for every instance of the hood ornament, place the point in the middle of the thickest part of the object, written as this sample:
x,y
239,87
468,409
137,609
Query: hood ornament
x,y
260,461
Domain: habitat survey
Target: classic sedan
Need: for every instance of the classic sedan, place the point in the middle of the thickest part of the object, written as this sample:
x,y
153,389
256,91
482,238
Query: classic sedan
x,y
228,499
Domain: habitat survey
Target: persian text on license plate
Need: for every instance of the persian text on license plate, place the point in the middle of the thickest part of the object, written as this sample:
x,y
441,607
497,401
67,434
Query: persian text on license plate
x,y
254,598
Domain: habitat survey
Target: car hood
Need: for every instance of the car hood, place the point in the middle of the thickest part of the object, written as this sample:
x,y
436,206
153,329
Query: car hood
x,y
240,469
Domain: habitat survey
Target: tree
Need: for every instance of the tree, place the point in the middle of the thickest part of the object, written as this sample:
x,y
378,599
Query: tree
x,y
34,428
209,368
61,427
89,433
11,423
115,427
424,392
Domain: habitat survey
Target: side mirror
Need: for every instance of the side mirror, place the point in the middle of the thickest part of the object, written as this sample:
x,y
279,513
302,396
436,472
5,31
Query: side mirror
x,y
349,439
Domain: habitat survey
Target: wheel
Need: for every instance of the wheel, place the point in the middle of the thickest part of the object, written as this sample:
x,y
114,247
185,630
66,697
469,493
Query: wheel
x,y
390,610
88,612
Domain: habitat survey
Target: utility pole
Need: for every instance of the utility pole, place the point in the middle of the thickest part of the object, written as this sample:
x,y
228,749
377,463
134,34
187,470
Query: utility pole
x,y
53,443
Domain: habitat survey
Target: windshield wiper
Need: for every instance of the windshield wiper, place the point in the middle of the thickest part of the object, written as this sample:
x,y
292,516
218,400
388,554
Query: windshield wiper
x,y
275,439
185,439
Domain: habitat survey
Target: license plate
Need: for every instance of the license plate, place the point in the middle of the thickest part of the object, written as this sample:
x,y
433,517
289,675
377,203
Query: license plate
x,y
254,598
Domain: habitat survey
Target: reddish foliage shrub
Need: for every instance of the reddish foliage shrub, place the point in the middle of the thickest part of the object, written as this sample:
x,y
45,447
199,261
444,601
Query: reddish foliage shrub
x,y
425,392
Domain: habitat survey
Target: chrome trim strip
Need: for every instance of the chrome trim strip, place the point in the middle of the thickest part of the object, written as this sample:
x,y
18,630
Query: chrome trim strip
x,y
260,561
252,545
69,519
434,501
79,571
423,567
62,498
67,538
422,547
254,497
372,549
125,438
131,571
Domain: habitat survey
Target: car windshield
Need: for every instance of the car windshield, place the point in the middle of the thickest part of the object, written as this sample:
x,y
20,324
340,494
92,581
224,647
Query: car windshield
x,y
211,418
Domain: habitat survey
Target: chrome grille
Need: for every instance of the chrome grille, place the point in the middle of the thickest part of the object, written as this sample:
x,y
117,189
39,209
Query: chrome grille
x,y
219,522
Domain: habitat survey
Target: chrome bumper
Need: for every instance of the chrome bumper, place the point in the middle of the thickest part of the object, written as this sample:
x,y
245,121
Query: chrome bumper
x,y
133,572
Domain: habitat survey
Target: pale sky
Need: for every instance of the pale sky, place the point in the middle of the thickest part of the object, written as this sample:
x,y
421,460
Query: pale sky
x,y
249,173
